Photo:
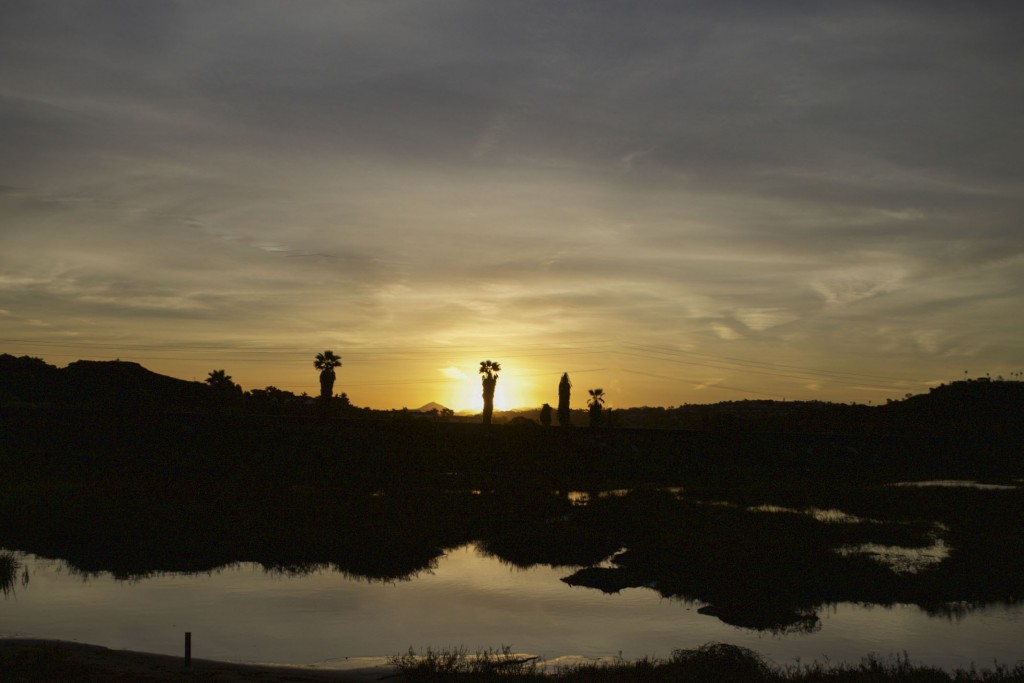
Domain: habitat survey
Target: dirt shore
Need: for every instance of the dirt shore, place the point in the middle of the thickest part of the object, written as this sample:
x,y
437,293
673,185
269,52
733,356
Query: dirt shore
x,y
32,661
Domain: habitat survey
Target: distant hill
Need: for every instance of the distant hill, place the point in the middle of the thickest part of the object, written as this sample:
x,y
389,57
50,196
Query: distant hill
x,y
431,406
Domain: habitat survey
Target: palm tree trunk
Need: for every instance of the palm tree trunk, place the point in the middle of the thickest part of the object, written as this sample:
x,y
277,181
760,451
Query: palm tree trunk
x,y
564,415
326,389
489,385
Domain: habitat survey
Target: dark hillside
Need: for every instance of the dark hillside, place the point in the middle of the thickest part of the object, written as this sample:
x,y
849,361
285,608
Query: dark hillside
x,y
122,385
953,427
27,381
96,385
978,406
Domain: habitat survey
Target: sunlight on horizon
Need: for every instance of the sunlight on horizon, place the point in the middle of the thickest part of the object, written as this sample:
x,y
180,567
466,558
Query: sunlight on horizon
x,y
509,393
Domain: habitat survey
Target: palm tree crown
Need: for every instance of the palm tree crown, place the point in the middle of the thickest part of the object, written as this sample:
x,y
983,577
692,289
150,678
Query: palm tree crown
x,y
219,378
328,360
490,369
596,396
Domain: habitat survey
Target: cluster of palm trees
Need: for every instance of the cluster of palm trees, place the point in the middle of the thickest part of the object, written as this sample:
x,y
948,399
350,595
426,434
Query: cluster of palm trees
x,y
327,361
489,372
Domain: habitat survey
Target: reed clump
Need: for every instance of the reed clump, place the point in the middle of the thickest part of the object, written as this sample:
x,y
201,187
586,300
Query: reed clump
x,y
9,566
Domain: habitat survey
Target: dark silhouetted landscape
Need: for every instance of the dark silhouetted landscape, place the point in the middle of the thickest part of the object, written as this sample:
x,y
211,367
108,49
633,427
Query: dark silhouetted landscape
x,y
118,469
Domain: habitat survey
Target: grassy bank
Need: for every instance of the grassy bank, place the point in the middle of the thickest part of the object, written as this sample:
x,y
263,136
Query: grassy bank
x,y
50,661
711,662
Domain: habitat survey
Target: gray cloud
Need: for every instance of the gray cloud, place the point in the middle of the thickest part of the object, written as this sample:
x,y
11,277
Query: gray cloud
x,y
789,181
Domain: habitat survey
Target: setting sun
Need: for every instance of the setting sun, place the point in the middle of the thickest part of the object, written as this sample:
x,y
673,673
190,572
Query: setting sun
x,y
510,392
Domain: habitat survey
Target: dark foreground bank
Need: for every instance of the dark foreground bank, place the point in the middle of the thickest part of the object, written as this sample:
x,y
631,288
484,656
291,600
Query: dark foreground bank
x,y
53,661
36,661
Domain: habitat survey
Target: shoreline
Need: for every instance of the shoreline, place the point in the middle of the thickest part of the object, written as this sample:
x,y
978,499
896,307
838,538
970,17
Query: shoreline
x,y
32,659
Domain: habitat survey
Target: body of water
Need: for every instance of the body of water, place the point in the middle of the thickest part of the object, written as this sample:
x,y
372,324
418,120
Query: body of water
x,y
245,613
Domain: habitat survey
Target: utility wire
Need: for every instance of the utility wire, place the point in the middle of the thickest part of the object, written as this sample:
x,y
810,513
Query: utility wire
x,y
807,376
707,386
751,363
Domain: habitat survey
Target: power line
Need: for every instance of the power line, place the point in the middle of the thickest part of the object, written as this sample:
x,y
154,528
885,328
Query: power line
x,y
242,348
742,361
708,386
283,355
807,375
280,355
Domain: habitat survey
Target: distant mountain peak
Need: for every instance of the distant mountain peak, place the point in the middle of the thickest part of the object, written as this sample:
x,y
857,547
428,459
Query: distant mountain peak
x,y
430,406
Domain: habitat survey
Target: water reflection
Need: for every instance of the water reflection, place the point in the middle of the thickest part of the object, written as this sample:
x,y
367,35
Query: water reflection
x,y
830,516
584,497
900,559
776,619
246,612
956,483
768,567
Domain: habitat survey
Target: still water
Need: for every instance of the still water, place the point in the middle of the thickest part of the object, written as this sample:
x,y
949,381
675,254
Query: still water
x,y
244,613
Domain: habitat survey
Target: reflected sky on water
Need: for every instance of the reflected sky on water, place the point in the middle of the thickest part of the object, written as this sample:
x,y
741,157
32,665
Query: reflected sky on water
x,y
244,613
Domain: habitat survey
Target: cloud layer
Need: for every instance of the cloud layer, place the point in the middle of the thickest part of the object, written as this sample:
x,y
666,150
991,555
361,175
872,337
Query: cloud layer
x,y
832,188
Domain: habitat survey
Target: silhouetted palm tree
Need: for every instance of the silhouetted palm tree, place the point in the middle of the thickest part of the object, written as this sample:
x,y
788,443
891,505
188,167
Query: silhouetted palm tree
x,y
489,369
219,379
564,388
227,392
326,362
596,404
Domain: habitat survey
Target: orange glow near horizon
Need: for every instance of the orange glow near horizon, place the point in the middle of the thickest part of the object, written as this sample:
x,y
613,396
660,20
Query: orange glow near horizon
x,y
508,394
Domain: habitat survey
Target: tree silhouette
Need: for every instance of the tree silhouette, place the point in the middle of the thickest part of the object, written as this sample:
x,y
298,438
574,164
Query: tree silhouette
x,y
326,362
228,393
596,404
545,415
489,369
564,388
219,379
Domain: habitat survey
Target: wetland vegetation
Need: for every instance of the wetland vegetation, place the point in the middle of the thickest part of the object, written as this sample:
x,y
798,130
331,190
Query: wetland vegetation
x,y
733,523
710,662
761,522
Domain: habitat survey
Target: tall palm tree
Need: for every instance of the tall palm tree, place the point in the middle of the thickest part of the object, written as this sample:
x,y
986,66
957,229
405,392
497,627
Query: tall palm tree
x,y
596,404
489,369
326,362
564,388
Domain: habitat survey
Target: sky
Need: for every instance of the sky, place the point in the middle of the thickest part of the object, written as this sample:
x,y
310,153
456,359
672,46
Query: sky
x,y
678,202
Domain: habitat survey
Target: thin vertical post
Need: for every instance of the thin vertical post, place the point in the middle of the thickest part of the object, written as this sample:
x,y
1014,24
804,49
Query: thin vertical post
x,y
188,649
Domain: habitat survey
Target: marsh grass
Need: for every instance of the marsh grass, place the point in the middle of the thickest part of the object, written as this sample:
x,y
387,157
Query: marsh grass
x,y
710,662
9,567
458,662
